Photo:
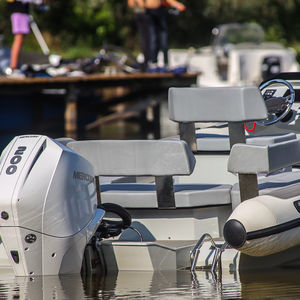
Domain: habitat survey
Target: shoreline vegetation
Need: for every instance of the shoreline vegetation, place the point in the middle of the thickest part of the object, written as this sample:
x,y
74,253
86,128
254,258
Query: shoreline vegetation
x,y
79,28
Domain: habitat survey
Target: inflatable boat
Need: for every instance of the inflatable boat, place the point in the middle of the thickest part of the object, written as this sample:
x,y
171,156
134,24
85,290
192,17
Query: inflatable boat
x,y
264,225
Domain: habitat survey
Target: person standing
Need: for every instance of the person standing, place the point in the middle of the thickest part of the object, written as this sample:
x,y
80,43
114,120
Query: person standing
x,y
159,30
143,25
19,14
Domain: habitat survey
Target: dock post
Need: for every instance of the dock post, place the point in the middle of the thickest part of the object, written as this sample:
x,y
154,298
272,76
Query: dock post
x,y
71,112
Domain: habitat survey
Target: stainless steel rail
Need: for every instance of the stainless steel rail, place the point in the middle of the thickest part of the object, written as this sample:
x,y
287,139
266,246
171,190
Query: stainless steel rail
x,y
217,251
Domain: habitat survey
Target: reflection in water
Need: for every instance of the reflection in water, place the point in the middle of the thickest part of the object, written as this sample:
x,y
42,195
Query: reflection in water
x,y
148,285
40,287
279,284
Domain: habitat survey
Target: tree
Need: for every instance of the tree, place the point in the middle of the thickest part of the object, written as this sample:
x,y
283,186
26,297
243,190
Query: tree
x,y
78,24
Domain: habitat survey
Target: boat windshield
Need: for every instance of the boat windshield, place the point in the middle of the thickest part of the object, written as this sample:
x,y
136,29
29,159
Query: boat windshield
x,y
237,34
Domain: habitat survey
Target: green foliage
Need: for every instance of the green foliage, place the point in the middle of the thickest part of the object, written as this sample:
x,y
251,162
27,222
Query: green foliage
x,y
74,26
276,33
83,51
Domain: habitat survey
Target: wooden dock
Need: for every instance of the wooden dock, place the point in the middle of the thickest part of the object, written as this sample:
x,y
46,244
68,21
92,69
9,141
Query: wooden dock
x,y
138,85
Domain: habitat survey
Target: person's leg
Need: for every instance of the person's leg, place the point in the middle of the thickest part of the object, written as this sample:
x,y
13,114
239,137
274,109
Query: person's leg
x,y
157,43
153,42
163,36
15,50
20,27
143,27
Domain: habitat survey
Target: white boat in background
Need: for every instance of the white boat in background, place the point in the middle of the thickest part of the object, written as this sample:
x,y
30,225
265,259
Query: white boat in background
x,y
238,56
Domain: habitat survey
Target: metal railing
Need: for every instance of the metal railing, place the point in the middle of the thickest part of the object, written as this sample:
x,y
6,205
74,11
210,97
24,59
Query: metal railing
x,y
217,252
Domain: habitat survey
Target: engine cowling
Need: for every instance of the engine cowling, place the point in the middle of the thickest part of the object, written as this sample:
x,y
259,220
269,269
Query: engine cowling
x,y
48,206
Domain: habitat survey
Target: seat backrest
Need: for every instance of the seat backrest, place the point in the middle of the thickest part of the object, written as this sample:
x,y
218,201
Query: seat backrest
x,y
234,105
254,159
159,158
218,104
250,160
136,157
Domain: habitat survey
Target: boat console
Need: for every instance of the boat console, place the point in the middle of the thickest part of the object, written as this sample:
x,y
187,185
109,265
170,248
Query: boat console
x,y
282,96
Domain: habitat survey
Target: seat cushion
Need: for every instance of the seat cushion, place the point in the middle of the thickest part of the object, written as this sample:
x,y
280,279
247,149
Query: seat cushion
x,y
220,142
283,185
136,195
216,139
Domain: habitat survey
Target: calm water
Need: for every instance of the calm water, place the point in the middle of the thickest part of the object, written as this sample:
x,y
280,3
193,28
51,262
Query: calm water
x,y
148,285
48,120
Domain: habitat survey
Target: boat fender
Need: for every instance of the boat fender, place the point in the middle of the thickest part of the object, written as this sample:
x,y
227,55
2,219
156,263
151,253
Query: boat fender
x,y
264,225
235,233
111,228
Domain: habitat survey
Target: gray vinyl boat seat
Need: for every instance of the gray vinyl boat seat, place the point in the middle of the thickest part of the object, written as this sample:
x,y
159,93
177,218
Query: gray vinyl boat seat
x,y
217,104
138,195
159,158
220,142
251,160
282,185
234,105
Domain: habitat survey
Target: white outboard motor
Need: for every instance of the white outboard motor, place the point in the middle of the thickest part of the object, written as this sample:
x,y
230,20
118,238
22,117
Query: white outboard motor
x,y
48,206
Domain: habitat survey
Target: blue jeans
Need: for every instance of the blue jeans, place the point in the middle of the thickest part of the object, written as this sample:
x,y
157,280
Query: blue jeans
x,y
158,33
143,24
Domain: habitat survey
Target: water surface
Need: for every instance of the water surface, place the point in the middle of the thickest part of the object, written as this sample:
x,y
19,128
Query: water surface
x,y
278,284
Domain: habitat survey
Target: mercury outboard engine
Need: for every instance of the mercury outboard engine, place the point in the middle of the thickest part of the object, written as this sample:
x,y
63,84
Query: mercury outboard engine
x,y
48,206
